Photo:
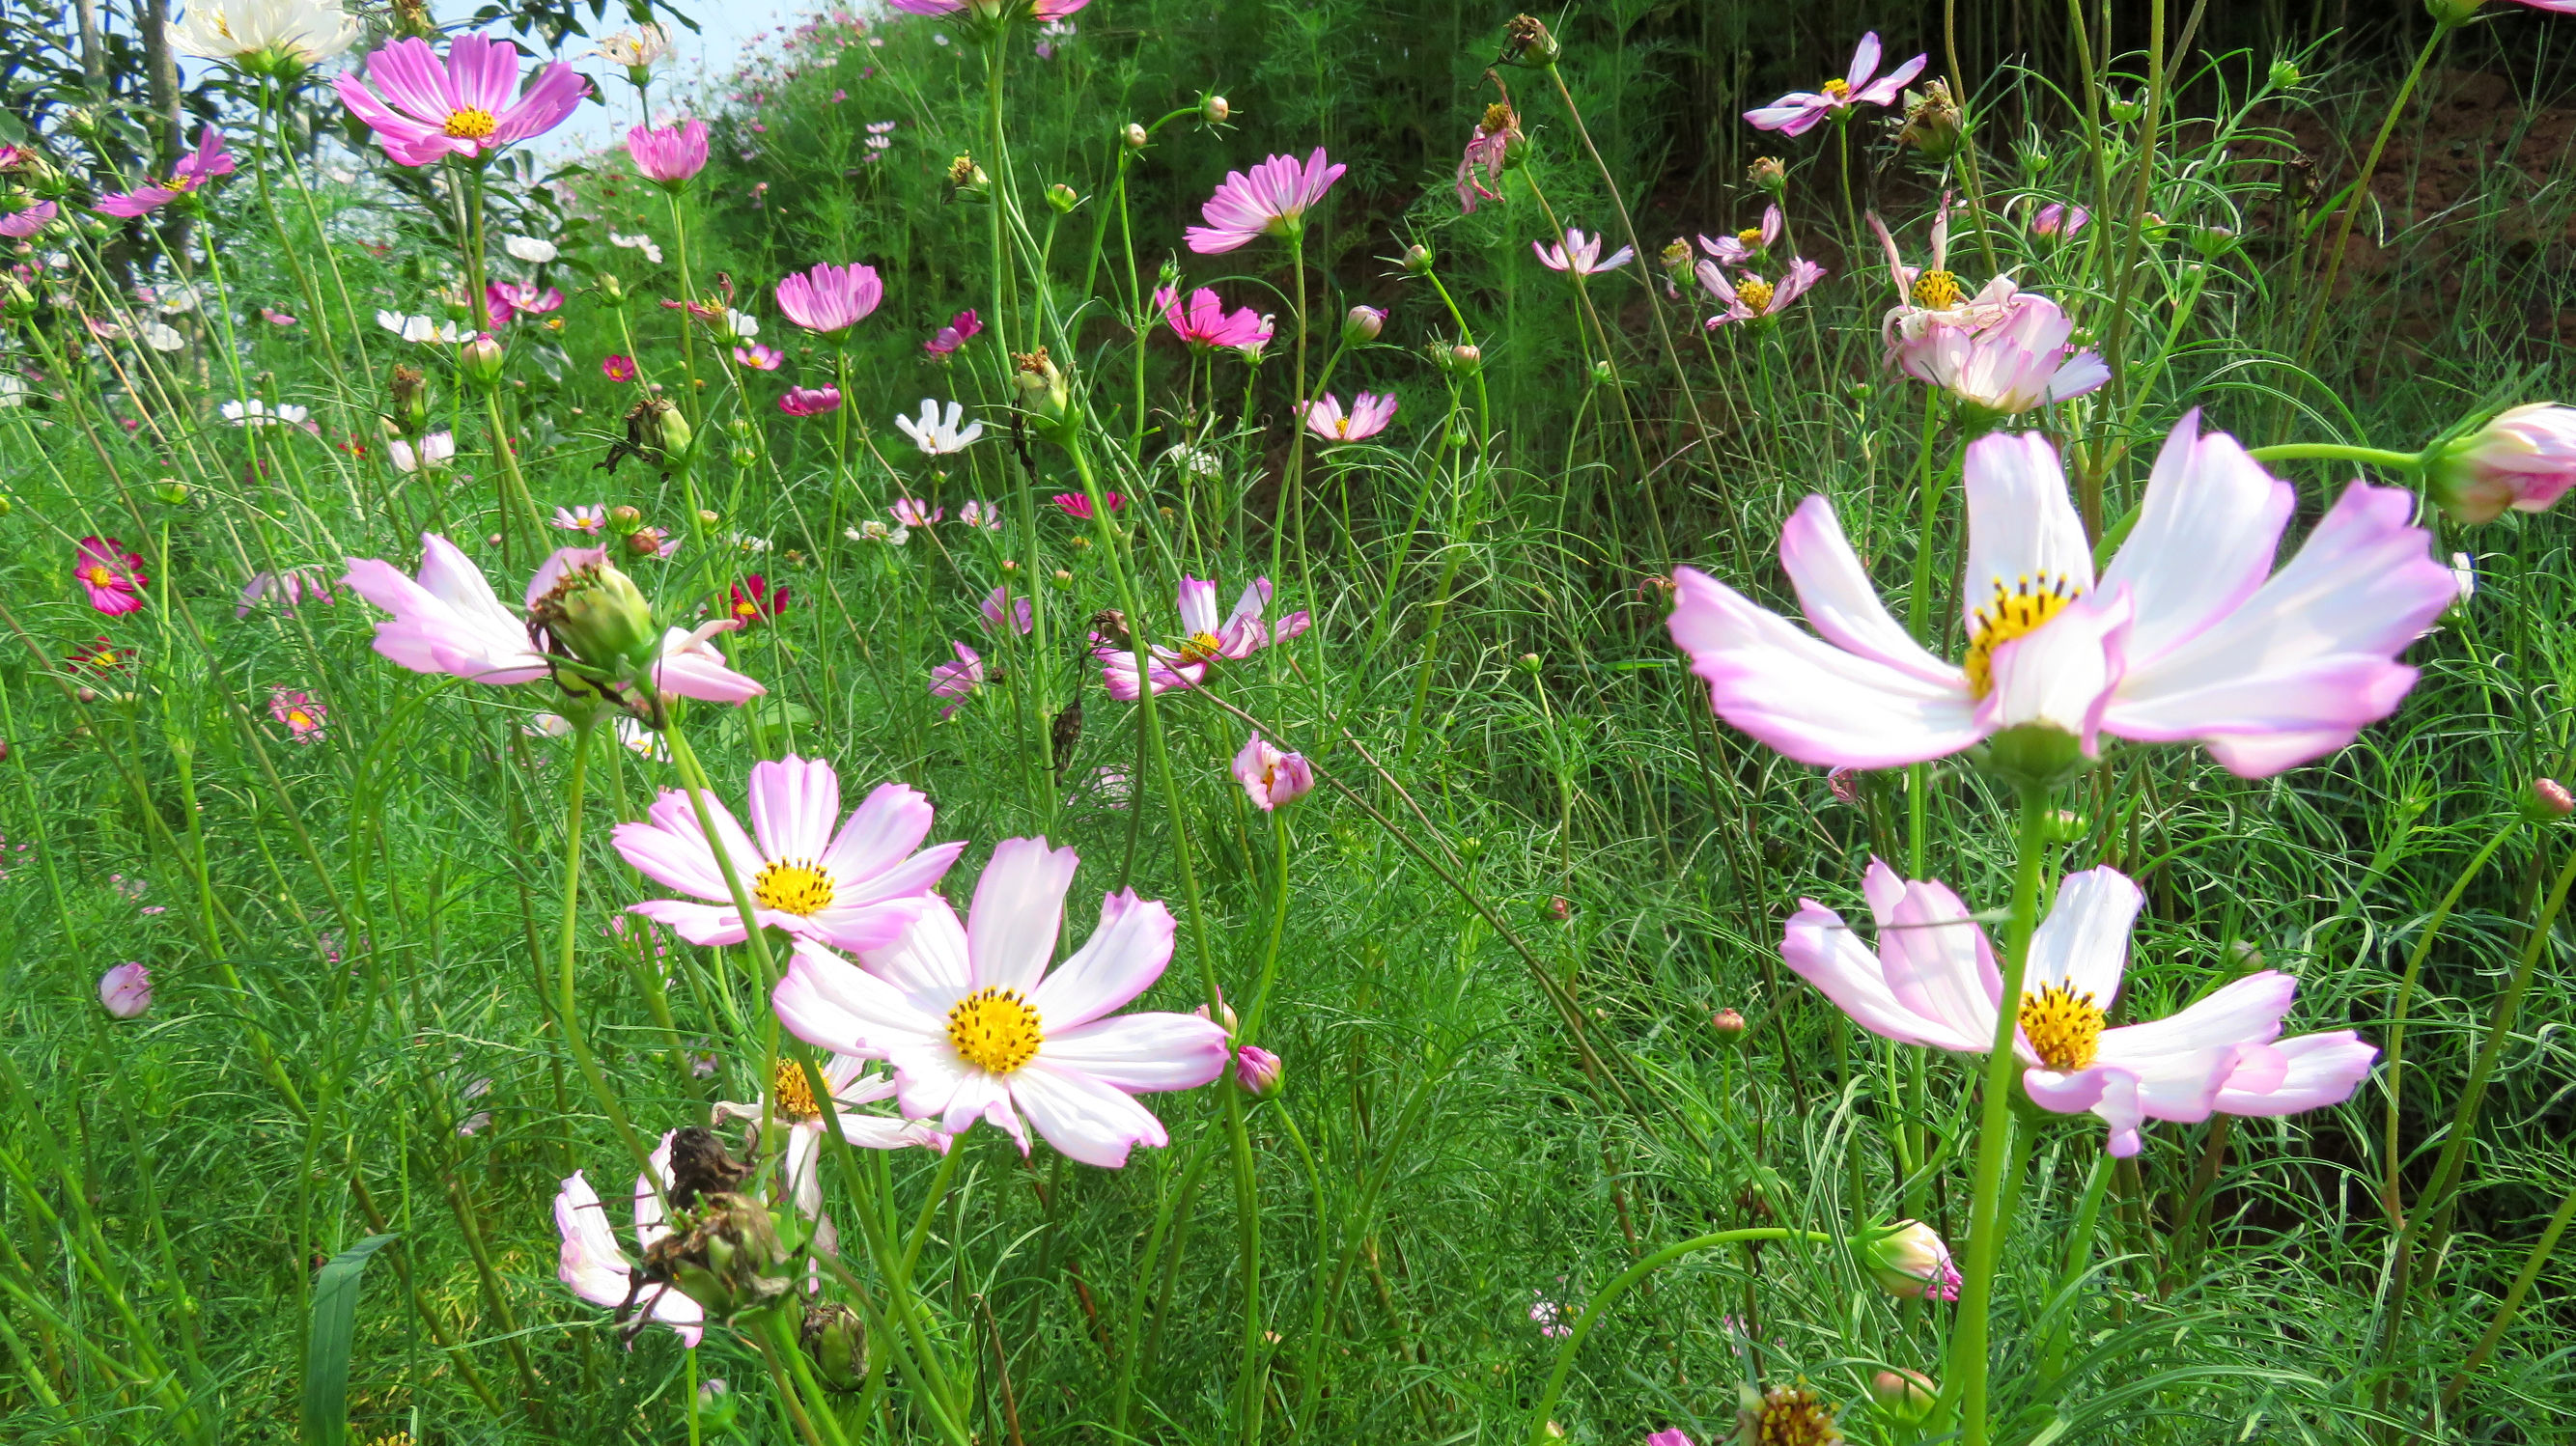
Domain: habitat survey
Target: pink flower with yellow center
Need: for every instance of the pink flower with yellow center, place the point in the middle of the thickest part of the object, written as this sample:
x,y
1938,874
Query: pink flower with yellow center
x,y
1205,640
956,680
1580,254
194,170
302,716
1367,417
1271,776
1271,200
112,576
1798,112
1208,324
461,105
829,299
1750,298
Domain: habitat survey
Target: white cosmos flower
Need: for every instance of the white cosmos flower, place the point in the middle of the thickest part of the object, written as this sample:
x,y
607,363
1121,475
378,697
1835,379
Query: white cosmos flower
x,y
534,250
13,390
938,436
740,325
591,1263
644,47
435,453
256,413
421,328
308,31
652,251
978,1027
161,336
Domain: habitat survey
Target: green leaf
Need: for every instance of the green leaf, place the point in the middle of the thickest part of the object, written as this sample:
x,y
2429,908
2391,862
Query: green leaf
x,y
326,1354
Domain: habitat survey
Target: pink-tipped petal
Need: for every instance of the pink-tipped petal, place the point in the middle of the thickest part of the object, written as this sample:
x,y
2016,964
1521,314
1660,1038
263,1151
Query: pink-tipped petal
x,y
1086,1120
1125,954
1018,912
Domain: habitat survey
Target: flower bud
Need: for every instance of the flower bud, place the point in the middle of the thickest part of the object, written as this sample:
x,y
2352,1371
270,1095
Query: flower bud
x,y
1906,1395
1362,324
409,396
2451,14
1602,372
727,1258
1728,1024
1931,126
480,360
591,608
1465,358
1767,174
2125,111
2548,801
126,990
836,1341
670,429
170,491
2523,460
1214,110
2285,75
625,518
1224,1011
1910,1260
1134,135
1044,392
1417,259
1528,663
1259,1072
1527,43
1062,197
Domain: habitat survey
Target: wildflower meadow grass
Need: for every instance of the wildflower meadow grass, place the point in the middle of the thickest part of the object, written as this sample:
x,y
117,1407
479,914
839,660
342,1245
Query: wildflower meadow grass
x,y
1104,721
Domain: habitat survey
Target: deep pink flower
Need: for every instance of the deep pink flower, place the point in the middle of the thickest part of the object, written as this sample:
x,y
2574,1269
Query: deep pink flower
x,y
460,106
1796,113
856,887
617,368
670,156
126,990
303,717
1271,777
830,299
1271,201
957,679
809,401
113,576
1205,639
1367,417
1207,323
1078,505
194,170
503,300
2059,219
954,335
1023,611
21,224
987,9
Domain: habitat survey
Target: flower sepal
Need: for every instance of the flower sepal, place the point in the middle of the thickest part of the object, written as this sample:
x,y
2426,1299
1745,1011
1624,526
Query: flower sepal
x,y
2033,755
727,1253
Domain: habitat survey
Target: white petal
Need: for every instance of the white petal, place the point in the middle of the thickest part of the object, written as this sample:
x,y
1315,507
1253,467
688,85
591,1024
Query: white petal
x,y
1835,594
1148,1050
1125,954
928,963
794,803
1940,965
2061,676
1087,1120
2022,527
2084,941
2204,539
1018,911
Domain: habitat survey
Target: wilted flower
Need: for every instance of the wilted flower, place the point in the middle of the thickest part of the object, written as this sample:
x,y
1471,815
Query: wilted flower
x,y
1797,112
461,105
1488,153
1784,1416
1272,200
596,1270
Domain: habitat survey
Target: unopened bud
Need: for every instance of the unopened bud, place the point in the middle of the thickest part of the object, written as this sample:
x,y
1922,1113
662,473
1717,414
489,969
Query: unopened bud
x,y
2549,801
1728,1024
1044,392
1062,578
1906,1395
610,287
1259,1072
1214,110
1417,259
672,429
169,490
836,1341
1910,1260
1527,43
2285,75
480,360
1465,358
1134,135
1767,174
1362,324
625,518
1224,1011
1062,197
591,608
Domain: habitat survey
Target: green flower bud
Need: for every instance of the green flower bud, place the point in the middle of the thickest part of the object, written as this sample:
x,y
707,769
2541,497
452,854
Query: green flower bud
x,y
480,360
836,1341
1062,198
725,1255
1044,392
592,609
2285,75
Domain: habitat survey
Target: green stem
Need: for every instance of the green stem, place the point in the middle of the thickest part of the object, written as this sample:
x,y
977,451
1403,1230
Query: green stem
x,y
2338,452
2512,1302
565,993
2396,1072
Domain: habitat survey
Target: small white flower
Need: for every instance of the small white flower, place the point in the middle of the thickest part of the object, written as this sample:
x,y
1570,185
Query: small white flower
x,y
638,242
436,452
745,542
875,531
13,390
644,47
256,413
174,300
2464,570
937,436
161,336
740,325
1196,461
534,250
421,328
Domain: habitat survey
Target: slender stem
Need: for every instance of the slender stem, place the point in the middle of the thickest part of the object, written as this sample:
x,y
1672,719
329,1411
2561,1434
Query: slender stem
x,y
2512,1302
2442,27
566,995
2396,1073
2339,452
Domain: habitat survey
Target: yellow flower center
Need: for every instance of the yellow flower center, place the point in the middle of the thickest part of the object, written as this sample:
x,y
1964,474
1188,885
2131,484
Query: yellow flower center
x,y
995,1030
98,575
471,124
1750,235
2064,1028
1838,88
1937,290
1793,1416
2012,613
298,719
792,886
1755,293
1202,648
746,609
791,1096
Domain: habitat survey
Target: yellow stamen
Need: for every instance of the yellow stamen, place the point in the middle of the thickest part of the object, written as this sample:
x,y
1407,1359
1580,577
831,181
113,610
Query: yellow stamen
x,y
1937,290
995,1030
2012,613
1794,1416
1755,293
792,886
471,124
2064,1028
1750,235
1202,648
791,1097
98,575
1838,88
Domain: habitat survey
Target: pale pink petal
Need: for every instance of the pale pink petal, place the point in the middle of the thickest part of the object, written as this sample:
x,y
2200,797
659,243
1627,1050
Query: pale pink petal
x,y
2204,539
1018,912
2084,941
832,1004
929,964
794,803
1940,966
2023,533
2061,676
1083,1118
1125,954
1822,950
887,826
1835,594
2319,1070
1864,61
1888,87
1140,1052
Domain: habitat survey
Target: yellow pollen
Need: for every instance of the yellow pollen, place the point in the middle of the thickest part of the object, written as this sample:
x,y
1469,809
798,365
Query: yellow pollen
x,y
2064,1028
1937,290
98,575
995,1030
746,609
298,718
2014,612
1838,88
1202,648
791,1096
1794,1416
471,124
1750,235
1755,293
792,886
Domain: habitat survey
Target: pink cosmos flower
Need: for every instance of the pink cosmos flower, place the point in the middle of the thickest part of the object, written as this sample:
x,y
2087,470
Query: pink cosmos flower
x,y
809,401
758,357
1745,245
2059,219
1796,113
2008,368
1931,298
949,338
671,155
913,512
1367,417
2523,459
126,990
1207,323
828,299
1750,298
194,170
617,368
589,519
1023,610
1934,981
288,587
986,515
20,224
592,1265
503,300
1205,639
978,1027
1078,505
2188,635
112,576
957,679
1272,777
303,717
856,888
460,106
274,317
1271,201
1044,10
1549,1317
1580,254
1674,1437
1487,155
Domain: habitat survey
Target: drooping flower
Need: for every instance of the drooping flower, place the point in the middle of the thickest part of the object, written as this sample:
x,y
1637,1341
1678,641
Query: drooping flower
x,y
2059,219
1798,112
1078,505
809,401
828,300
1367,417
434,454
1023,611
1207,323
856,888
671,155
913,512
949,338
1580,254
1934,981
26,221
759,357
1745,245
1270,776
1750,298
1270,201
2188,635
288,587
1488,153
193,171
2524,459
2019,363
304,718
460,105
753,601
112,576
589,519
938,435
305,32
978,1027
1205,639
591,1264
956,680
790,1103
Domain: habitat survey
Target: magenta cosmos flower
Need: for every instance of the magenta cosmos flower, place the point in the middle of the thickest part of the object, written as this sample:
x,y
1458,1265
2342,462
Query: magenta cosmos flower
x,y
112,576
830,299
2019,363
1078,505
1750,298
2059,219
1271,201
671,155
1271,777
1934,981
960,328
988,9
1796,113
856,888
1367,417
1208,324
977,1026
1205,639
304,718
956,680
460,106
590,1263
194,170
1580,254
2188,635
809,401
20,224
